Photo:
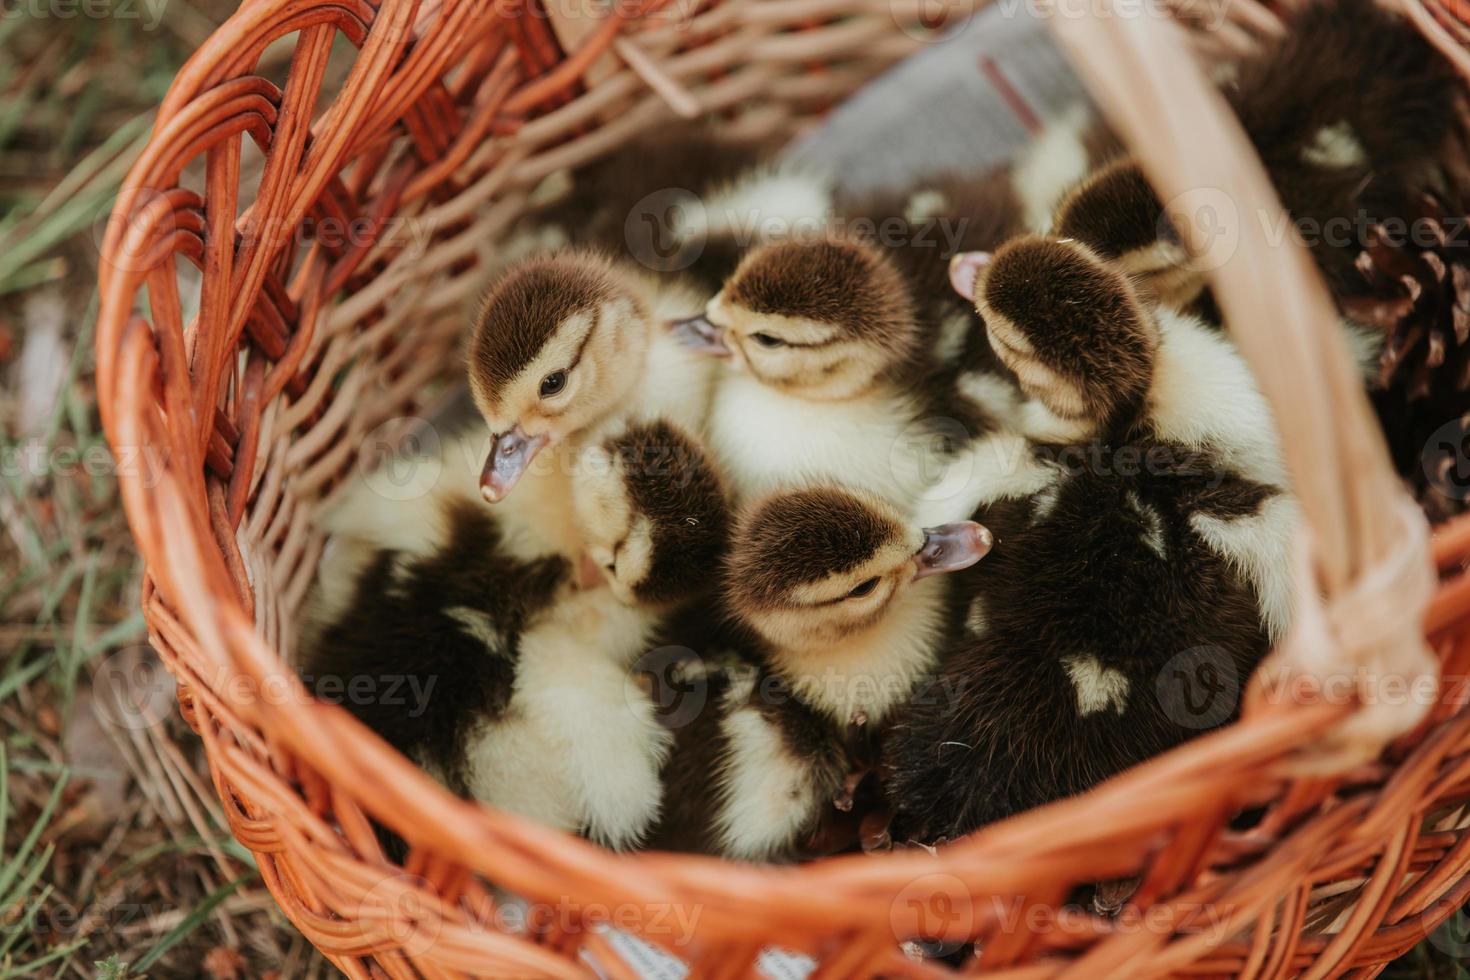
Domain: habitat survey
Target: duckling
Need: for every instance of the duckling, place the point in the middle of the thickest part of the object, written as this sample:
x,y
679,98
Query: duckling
x,y
1140,570
841,616
687,198
872,363
922,226
566,343
831,374
652,512
526,699
1351,112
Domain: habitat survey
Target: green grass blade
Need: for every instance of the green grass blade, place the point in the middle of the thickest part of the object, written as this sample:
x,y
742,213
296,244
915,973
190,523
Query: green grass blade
x,y
194,920
11,869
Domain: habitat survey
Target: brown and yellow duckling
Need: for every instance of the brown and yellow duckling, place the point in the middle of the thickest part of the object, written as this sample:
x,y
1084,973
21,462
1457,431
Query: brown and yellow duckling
x,y
832,374
521,665
842,609
1140,570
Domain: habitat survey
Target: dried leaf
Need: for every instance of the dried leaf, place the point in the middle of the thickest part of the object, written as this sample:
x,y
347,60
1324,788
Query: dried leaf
x,y
224,963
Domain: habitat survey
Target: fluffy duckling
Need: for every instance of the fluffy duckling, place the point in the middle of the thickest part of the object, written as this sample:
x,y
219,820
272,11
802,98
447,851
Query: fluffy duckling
x,y
1350,112
1140,572
1115,212
922,226
842,615
563,345
524,699
686,198
831,373
652,513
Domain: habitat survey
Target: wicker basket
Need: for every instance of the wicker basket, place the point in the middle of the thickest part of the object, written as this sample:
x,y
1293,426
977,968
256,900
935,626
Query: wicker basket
x,y
302,345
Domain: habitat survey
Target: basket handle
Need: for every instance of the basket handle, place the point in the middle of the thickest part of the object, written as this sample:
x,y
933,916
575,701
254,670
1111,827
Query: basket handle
x,y
1364,575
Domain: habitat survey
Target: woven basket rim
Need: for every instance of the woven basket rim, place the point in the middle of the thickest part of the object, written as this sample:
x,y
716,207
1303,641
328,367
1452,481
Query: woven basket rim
x,y
194,600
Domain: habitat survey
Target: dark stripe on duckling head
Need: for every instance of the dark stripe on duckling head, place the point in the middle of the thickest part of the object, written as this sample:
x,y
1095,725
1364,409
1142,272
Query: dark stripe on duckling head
x,y
672,482
1080,316
845,282
525,308
1230,498
1114,212
554,411
801,537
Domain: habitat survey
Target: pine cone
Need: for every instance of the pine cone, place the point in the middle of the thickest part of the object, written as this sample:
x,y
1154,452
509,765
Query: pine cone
x,y
1417,290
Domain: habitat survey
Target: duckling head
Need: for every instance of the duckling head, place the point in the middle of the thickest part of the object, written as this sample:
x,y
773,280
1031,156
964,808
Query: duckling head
x,y
557,344
1116,213
1066,322
810,568
652,512
822,318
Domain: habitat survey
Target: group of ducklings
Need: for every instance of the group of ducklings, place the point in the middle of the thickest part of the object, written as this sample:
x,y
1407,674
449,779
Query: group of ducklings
x,y
716,570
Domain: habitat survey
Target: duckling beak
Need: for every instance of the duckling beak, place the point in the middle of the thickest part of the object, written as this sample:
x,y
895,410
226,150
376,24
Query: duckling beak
x,y
698,334
964,272
589,573
951,547
509,456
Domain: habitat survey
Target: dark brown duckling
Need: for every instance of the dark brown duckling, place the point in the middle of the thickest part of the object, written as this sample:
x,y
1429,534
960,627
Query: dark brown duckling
x,y
1140,569
1351,112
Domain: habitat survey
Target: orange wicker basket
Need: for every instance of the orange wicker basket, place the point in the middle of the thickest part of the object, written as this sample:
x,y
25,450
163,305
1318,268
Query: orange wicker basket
x,y
449,113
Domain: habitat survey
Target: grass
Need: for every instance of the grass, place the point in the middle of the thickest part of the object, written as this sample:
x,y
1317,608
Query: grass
x,y
116,860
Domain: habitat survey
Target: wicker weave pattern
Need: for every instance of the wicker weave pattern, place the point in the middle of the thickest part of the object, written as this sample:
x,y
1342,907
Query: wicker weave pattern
x,y
301,347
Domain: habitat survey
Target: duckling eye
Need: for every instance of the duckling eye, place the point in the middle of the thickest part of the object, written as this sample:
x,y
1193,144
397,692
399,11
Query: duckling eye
x,y
552,383
863,588
767,340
